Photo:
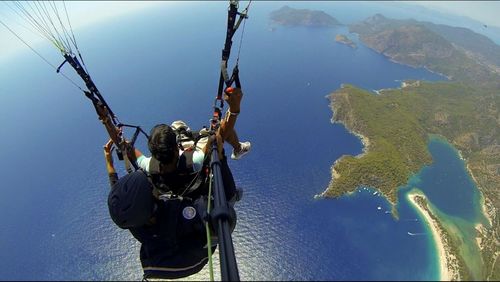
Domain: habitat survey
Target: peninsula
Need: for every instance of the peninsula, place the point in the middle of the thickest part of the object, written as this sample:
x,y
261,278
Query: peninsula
x,y
450,264
457,53
395,126
345,40
287,16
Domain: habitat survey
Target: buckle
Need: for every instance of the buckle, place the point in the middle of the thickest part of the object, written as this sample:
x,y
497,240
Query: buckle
x,y
169,196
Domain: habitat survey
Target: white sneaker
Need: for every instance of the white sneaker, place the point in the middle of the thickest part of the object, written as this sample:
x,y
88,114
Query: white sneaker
x,y
245,148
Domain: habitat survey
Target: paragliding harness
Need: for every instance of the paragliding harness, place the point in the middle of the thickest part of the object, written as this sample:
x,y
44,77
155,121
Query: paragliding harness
x,y
185,182
218,217
190,189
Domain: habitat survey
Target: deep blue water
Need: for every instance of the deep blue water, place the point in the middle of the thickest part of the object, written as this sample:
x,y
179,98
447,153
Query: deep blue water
x,y
162,65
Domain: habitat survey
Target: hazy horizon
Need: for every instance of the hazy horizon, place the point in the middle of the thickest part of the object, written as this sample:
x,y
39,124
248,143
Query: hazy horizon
x,y
86,13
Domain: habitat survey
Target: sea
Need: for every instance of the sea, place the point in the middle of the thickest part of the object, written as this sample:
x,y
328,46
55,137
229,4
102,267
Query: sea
x,y
160,65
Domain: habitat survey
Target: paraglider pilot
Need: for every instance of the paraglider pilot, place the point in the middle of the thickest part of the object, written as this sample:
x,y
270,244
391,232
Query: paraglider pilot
x,y
163,204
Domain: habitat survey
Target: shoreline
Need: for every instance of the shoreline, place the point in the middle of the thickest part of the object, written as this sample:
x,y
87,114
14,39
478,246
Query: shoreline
x,y
449,78
335,175
343,39
403,84
364,141
446,261
479,226
484,208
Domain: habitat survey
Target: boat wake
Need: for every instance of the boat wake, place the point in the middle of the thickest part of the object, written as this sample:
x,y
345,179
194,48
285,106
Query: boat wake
x,y
415,234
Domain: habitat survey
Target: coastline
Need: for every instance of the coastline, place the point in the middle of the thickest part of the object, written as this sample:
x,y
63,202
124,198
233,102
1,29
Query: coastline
x,y
448,269
366,143
343,39
335,175
364,140
484,208
401,63
455,259
404,84
413,66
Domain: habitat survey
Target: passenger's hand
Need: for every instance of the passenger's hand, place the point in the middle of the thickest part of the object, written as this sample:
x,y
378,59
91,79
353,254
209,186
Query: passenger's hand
x,y
220,145
108,150
108,147
233,97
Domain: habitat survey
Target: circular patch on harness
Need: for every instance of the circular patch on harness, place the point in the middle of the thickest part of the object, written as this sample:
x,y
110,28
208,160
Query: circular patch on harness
x,y
189,212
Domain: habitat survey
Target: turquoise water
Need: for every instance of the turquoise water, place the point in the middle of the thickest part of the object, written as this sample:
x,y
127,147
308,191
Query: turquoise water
x,y
162,65
454,198
448,184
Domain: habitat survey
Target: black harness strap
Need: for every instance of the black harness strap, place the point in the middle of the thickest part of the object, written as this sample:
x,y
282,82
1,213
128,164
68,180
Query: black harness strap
x,y
106,115
137,131
73,61
224,79
221,214
181,185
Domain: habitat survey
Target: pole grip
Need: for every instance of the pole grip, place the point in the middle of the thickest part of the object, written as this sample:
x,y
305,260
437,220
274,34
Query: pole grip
x,y
228,264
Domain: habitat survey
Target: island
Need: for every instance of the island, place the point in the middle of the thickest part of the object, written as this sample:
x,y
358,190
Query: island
x,y
395,126
345,40
287,16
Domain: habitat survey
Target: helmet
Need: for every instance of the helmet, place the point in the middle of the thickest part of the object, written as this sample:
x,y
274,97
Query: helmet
x,y
131,201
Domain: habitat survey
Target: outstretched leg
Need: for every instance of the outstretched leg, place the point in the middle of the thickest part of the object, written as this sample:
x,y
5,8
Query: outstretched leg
x,y
232,138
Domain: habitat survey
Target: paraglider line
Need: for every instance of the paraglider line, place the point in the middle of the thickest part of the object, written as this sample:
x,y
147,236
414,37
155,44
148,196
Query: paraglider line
x,y
50,64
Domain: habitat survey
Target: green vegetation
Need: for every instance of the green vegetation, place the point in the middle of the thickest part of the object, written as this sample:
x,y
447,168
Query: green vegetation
x,y
397,143
480,46
302,17
437,47
398,122
451,242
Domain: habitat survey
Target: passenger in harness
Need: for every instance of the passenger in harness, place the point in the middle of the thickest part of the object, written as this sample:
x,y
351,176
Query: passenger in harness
x,y
164,203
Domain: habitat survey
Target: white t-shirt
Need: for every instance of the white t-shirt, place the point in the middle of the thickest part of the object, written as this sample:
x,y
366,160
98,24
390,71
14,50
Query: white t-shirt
x,y
198,157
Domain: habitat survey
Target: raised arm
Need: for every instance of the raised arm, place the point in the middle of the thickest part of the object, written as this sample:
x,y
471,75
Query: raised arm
x,y
226,131
233,98
108,157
